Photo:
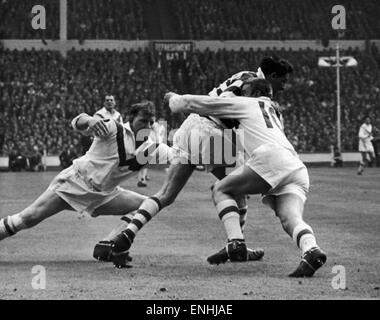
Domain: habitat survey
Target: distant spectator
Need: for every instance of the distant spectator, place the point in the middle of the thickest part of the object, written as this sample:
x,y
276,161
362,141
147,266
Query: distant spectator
x,y
35,160
67,156
17,161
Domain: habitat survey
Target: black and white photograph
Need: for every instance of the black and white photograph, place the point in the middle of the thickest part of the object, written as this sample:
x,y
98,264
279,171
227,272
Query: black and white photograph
x,y
189,150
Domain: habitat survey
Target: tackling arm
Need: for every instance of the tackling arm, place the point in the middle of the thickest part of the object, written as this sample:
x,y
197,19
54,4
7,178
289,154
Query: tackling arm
x,y
230,108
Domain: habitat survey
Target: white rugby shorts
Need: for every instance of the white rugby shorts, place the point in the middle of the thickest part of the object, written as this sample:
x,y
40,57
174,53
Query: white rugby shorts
x,y
73,188
282,169
365,145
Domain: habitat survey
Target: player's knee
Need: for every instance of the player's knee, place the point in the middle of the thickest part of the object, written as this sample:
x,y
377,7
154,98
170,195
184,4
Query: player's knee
x,y
289,221
217,191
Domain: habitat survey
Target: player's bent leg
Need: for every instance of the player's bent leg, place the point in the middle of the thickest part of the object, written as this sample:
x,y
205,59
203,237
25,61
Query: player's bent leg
x,y
177,177
126,204
240,182
253,254
289,209
45,206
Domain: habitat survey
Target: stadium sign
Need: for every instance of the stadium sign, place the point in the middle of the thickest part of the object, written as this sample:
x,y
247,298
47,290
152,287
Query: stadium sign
x,y
173,49
332,62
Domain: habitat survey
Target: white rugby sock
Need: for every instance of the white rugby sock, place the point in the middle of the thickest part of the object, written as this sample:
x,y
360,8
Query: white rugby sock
x,y
3,230
11,225
304,237
229,214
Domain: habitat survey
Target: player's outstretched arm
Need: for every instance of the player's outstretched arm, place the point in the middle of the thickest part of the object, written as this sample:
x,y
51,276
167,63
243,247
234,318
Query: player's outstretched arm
x,y
232,108
91,125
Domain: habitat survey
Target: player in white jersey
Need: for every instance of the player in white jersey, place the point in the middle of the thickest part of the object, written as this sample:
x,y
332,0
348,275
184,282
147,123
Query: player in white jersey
x,y
156,135
108,111
277,72
91,184
273,169
192,143
365,144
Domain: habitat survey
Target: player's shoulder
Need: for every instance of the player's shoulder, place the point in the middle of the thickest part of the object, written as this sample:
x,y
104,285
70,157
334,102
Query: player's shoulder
x,y
101,112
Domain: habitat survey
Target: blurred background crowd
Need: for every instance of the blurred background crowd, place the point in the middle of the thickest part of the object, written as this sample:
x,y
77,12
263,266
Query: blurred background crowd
x,y
193,19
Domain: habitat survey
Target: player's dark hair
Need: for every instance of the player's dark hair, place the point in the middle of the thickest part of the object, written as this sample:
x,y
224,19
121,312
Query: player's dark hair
x,y
147,108
273,64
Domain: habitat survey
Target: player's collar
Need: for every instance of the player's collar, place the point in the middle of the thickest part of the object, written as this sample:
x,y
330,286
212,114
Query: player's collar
x,y
106,110
260,73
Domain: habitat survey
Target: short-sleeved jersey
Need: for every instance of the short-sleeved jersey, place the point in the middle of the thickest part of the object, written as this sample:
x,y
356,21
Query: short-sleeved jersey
x,y
104,114
114,158
257,117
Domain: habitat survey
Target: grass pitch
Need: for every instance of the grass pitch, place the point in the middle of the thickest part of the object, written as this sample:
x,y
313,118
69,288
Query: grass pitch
x,y
169,254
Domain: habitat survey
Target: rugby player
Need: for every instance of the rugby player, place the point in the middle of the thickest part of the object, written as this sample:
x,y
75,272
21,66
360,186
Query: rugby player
x,y
156,136
365,145
108,111
273,169
188,150
91,184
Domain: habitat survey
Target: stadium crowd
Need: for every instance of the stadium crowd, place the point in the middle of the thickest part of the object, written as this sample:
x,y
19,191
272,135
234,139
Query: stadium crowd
x,y
114,19
40,92
193,19
273,19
